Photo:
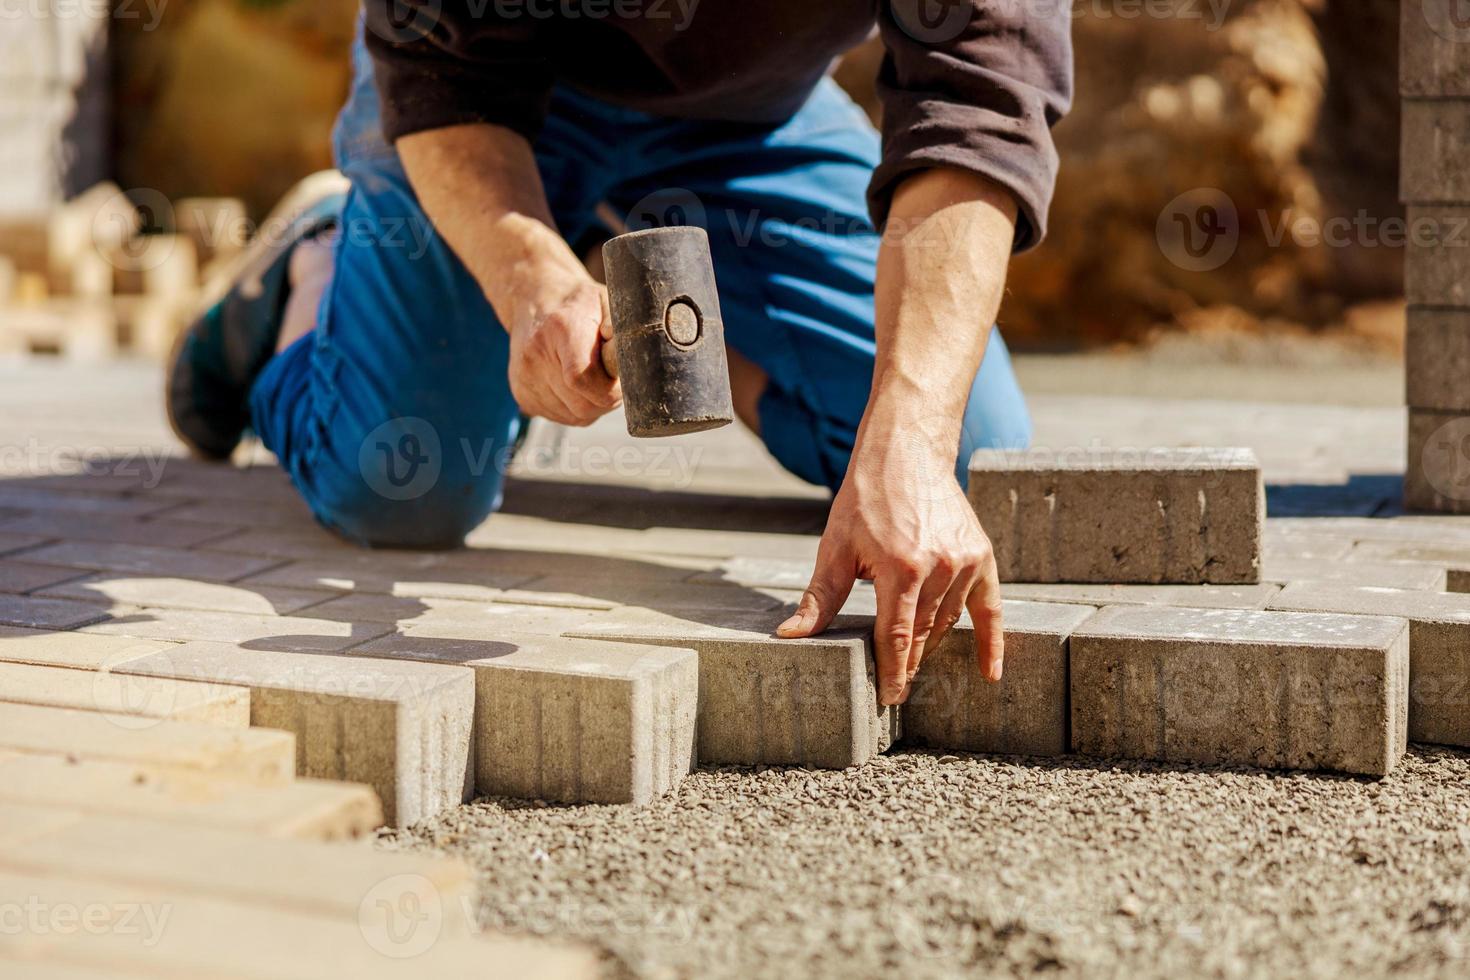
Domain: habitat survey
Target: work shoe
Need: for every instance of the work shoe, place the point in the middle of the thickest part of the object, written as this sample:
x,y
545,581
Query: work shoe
x,y
217,359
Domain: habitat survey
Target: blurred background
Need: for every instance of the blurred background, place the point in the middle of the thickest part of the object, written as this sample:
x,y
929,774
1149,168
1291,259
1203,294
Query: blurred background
x,y
1229,179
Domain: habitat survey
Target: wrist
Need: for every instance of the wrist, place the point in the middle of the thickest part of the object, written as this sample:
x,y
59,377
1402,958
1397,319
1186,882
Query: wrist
x,y
528,270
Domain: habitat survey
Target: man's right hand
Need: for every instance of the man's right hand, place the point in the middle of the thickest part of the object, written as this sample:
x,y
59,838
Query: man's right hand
x,y
556,366
480,186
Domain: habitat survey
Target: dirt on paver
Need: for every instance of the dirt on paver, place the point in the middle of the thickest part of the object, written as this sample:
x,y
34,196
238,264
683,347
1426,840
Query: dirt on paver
x,y
946,865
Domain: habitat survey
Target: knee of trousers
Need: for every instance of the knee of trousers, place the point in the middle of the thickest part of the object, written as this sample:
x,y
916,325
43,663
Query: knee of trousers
x,y
411,487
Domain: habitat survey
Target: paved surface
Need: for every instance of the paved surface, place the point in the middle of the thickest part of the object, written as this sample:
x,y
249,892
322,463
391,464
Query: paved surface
x,y
954,863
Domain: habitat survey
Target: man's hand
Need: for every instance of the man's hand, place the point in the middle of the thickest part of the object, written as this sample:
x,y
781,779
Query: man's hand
x,y
901,518
480,186
556,369
904,523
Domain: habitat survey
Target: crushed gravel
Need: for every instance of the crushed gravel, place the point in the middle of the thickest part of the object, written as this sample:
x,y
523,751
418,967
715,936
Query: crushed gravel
x,y
943,865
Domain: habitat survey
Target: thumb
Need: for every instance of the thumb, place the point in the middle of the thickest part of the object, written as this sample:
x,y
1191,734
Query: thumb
x,y
829,588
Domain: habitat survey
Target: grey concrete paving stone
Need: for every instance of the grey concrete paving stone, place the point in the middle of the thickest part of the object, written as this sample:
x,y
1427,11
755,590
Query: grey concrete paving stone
x,y
1437,475
1435,164
296,544
1385,574
117,530
182,593
1457,580
576,721
402,728
396,575
771,573
598,592
104,556
1437,360
1437,256
1439,649
452,617
22,576
139,698
1196,596
951,706
763,700
279,633
1433,59
11,543
1182,516
56,614
1411,552
65,649
20,497
1279,690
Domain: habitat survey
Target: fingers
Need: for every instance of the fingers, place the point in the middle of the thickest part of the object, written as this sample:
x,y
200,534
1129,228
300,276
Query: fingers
x,y
898,590
985,609
935,590
951,607
829,588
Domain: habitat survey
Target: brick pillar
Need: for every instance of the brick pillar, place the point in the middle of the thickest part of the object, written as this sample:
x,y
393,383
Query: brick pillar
x,y
54,97
1435,186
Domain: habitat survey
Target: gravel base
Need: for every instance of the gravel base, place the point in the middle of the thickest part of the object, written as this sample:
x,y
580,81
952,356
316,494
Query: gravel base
x,y
942,865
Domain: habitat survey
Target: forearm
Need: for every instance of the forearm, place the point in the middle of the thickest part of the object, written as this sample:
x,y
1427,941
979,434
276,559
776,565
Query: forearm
x,y
480,186
941,274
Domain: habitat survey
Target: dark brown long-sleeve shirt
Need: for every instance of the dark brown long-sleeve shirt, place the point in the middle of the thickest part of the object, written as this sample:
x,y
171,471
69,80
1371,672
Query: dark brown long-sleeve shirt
x,y
973,84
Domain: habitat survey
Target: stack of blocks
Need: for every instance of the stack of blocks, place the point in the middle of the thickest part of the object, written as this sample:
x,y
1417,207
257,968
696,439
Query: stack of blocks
x,y
1435,84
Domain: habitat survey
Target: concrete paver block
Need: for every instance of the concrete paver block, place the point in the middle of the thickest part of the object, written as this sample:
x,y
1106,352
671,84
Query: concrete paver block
x,y
1437,360
1437,255
1439,649
765,700
952,706
451,617
580,721
282,633
64,649
1384,574
1277,690
261,942
141,697
592,592
402,728
1195,596
48,614
1184,516
155,533
1437,475
1435,158
182,593
291,874
134,559
309,809
391,576
1434,49
24,576
251,753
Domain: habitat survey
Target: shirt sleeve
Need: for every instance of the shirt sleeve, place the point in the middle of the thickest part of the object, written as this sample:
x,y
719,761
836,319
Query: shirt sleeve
x,y
439,63
977,85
